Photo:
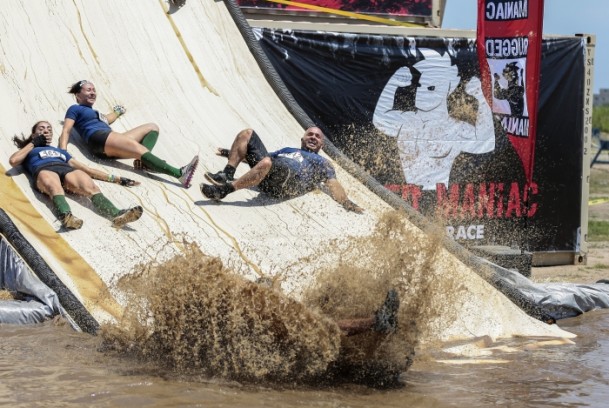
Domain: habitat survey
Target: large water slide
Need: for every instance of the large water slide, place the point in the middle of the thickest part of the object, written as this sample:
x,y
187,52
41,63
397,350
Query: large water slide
x,y
193,74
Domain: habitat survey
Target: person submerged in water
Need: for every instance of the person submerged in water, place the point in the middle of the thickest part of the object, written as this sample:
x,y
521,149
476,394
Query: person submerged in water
x,y
137,143
53,169
384,320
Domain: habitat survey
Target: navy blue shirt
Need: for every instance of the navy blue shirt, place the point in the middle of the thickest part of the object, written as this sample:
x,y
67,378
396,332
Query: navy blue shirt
x,y
87,120
44,156
309,168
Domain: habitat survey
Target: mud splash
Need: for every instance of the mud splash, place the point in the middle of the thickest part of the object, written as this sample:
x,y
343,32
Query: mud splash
x,y
195,316
393,256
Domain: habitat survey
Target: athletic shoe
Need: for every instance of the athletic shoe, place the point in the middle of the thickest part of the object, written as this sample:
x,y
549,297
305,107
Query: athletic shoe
x,y
68,221
139,165
177,3
222,152
188,171
219,179
127,216
386,318
215,193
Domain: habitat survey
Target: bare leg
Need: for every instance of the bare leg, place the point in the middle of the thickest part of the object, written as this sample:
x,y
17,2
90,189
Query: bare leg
x,y
48,182
118,145
138,133
352,327
384,320
238,149
255,175
81,183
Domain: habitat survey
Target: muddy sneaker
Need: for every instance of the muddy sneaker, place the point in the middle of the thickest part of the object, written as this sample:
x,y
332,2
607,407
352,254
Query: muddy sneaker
x,y
223,152
188,171
127,216
219,179
216,193
139,165
177,3
68,221
386,318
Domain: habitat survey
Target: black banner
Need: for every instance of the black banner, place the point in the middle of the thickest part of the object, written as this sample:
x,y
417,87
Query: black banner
x,y
411,112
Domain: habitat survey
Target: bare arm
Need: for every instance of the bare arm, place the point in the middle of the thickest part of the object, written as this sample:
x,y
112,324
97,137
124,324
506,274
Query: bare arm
x,y
64,138
117,111
340,196
19,156
102,175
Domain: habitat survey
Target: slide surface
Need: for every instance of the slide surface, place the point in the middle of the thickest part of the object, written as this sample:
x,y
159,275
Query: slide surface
x,y
191,73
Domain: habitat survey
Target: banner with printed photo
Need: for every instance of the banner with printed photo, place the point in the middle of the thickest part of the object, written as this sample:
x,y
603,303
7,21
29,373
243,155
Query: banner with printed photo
x,y
509,46
412,112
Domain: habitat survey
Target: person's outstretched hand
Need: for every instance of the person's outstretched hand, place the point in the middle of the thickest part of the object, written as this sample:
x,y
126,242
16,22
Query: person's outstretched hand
x,y
124,181
351,206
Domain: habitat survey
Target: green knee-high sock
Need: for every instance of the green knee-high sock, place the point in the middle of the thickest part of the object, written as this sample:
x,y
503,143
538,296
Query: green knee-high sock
x,y
61,205
161,166
104,206
150,139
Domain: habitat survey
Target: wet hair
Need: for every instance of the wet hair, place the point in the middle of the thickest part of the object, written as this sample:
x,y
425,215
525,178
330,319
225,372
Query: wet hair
x,y
76,87
23,140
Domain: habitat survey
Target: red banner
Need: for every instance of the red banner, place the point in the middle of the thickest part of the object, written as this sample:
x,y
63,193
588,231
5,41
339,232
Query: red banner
x,y
509,49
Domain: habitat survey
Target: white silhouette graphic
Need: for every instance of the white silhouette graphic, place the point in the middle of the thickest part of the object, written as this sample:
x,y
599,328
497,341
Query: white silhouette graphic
x,y
429,139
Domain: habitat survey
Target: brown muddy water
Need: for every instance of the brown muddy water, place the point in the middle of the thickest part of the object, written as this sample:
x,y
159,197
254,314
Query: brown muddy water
x,y
194,333
50,365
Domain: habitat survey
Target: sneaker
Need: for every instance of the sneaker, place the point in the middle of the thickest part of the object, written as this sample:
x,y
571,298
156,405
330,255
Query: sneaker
x,y
188,171
219,179
139,165
215,193
127,216
68,221
177,3
386,318
223,152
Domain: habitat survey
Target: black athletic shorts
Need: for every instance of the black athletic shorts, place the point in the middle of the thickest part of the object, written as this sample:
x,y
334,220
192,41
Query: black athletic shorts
x,y
256,150
279,182
97,143
61,169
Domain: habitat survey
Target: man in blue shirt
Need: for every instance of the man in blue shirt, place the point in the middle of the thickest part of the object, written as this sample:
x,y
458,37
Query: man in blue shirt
x,y
288,172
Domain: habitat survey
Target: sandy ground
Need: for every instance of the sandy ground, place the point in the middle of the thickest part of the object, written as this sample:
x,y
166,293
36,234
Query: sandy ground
x,y
597,266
